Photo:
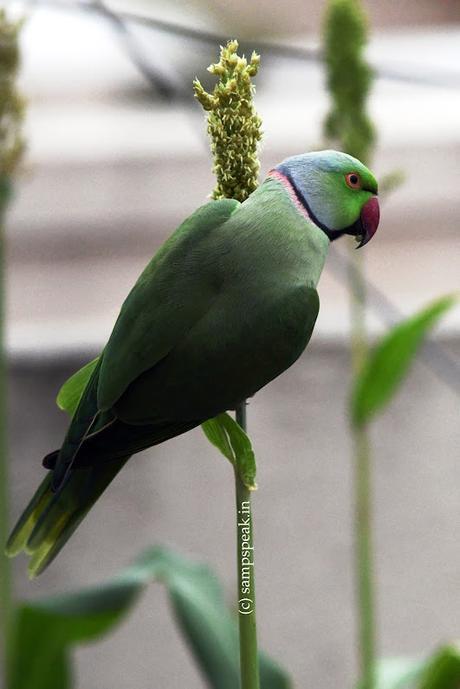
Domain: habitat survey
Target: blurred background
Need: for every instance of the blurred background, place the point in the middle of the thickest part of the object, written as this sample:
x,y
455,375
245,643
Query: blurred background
x,y
117,157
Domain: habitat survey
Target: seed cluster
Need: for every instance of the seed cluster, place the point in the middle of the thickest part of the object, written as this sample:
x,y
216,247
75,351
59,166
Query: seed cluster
x,y
11,103
349,78
233,124
11,107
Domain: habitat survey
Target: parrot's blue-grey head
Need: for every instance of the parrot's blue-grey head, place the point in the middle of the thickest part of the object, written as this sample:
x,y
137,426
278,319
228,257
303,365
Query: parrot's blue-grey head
x,y
337,191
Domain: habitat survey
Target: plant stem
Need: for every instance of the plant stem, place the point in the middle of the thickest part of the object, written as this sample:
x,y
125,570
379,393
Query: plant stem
x,y
349,82
249,659
364,568
235,130
363,489
11,150
6,602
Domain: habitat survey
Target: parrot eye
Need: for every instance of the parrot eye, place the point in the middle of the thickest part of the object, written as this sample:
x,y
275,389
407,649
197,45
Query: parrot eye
x,y
353,180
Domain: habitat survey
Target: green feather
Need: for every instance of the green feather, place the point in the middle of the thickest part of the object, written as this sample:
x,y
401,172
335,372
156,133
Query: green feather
x,y
29,518
57,515
71,392
170,296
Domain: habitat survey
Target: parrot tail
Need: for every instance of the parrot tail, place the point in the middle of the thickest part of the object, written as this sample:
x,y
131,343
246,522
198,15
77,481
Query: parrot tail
x,y
52,516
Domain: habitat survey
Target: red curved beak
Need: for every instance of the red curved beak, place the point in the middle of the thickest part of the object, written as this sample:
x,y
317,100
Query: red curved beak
x,y
370,216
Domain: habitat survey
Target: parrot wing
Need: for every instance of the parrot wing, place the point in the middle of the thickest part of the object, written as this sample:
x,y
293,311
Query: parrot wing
x,y
165,303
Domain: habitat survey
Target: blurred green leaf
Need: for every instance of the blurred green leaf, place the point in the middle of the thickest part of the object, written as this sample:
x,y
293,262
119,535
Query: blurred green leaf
x,y
389,362
208,625
442,670
47,629
439,671
228,436
70,393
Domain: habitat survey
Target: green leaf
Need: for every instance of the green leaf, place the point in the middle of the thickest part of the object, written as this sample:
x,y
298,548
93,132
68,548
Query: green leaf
x,y
442,670
217,436
439,671
70,393
41,660
389,362
228,436
208,626
47,630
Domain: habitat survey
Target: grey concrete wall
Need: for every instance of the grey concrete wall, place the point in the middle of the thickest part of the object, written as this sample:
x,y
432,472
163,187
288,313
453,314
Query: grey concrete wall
x,y
293,16
181,494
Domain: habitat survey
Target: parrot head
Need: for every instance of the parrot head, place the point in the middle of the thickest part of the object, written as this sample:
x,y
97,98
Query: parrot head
x,y
337,191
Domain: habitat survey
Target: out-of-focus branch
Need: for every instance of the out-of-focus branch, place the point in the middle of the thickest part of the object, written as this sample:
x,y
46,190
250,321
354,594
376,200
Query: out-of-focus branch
x,y
234,128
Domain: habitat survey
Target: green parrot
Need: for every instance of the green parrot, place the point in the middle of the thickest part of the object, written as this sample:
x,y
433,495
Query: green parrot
x,y
226,304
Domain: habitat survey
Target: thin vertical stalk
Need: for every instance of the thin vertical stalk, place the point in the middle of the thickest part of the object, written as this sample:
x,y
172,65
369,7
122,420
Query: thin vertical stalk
x,y
6,595
349,80
362,488
234,128
364,559
11,150
249,659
